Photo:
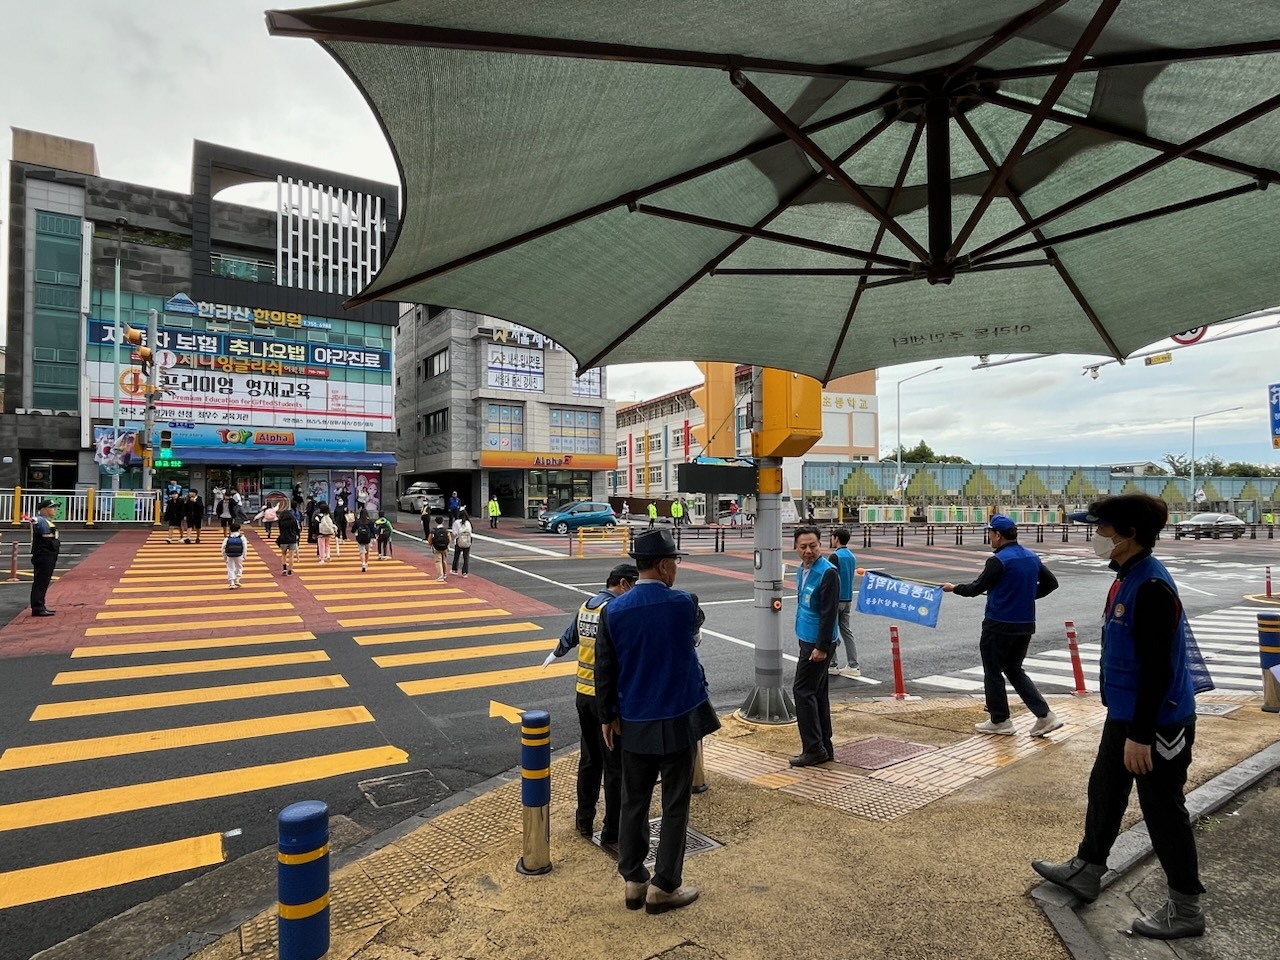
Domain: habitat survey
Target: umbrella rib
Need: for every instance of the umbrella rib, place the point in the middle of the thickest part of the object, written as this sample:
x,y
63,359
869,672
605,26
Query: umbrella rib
x,y
332,29
816,178
1066,71
1118,132
1063,273
1141,58
1141,170
1006,33
631,196
809,272
772,235
1158,212
833,169
907,157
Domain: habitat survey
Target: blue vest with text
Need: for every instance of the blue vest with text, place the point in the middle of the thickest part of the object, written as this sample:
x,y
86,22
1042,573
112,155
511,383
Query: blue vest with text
x,y
1013,599
808,616
652,628
1120,663
847,564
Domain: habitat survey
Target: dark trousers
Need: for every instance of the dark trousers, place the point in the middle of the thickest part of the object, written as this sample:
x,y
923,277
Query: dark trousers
x,y
640,772
465,554
1002,656
813,706
596,763
42,565
1159,795
493,523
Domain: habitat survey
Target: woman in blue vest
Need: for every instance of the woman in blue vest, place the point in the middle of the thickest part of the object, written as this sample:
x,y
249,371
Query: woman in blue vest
x,y
1150,673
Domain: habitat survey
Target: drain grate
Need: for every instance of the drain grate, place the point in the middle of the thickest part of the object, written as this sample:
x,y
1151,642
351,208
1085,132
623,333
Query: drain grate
x,y
695,842
1216,709
420,785
876,753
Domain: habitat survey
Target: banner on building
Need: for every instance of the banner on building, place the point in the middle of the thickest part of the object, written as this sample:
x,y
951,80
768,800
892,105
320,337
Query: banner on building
x,y
884,596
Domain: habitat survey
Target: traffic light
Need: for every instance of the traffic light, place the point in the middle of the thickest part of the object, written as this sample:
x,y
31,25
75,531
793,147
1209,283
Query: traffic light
x,y
718,434
791,414
166,444
135,338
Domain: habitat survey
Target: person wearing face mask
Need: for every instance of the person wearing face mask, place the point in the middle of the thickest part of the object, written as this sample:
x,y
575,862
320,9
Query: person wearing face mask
x,y
1013,580
1151,671
651,690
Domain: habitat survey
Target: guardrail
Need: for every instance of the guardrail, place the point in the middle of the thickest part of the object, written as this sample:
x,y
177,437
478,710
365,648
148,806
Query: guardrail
x,y
88,506
587,535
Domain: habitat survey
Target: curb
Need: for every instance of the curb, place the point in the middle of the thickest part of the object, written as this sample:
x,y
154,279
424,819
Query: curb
x,y
1134,846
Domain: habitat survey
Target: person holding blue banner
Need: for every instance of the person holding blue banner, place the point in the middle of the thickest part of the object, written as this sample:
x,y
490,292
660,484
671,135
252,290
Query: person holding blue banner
x,y
1151,670
1013,580
817,611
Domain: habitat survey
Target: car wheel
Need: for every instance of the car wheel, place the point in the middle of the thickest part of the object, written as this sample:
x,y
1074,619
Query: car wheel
x,y
1237,534
562,527
610,523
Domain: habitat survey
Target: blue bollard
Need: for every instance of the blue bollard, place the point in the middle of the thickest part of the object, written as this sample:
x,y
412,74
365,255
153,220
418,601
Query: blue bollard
x,y
302,878
535,792
1269,655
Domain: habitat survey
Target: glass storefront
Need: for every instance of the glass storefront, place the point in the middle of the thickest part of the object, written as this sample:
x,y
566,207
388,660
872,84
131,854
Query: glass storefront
x,y
550,488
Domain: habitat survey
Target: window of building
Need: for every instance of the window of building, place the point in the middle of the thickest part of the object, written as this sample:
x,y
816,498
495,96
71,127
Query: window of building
x,y
503,426
655,442
55,354
436,364
639,474
574,431
437,422
677,437
655,474
622,449
587,385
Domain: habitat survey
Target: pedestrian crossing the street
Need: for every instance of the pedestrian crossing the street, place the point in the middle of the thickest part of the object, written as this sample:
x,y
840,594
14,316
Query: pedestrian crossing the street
x,y
1227,638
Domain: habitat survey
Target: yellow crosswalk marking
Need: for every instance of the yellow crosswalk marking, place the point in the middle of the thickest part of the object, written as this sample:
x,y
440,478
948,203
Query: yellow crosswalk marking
x,y
53,880
211,577
204,786
204,643
266,591
395,591
182,698
184,591
186,611
465,653
425,617
120,629
423,603
491,678
189,666
445,633
329,581
96,748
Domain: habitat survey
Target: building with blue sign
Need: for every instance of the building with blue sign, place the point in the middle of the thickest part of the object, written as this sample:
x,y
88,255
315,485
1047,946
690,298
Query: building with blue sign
x,y
269,384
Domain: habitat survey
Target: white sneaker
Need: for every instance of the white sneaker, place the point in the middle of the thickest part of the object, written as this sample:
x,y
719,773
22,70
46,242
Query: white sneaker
x,y
851,672
1003,728
1046,725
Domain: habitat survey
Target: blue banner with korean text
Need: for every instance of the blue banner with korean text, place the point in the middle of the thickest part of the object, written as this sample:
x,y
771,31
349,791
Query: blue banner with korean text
x,y
885,596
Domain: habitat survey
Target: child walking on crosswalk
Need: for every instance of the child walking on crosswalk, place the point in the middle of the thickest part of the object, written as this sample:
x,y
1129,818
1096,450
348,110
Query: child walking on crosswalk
x,y
233,553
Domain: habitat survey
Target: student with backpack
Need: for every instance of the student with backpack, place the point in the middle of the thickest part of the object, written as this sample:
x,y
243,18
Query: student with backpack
x,y
440,537
233,553
462,542
363,531
326,530
290,534
382,529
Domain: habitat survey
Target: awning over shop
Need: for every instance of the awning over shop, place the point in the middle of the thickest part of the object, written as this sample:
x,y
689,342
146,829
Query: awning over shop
x,y
249,456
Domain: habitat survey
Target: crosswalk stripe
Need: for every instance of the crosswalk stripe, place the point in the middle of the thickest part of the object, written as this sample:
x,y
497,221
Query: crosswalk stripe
x,y
425,617
177,626
97,748
97,706
465,653
68,877
196,578
445,633
240,607
203,786
951,683
189,666
490,678
423,603
204,643
267,591
343,579
397,590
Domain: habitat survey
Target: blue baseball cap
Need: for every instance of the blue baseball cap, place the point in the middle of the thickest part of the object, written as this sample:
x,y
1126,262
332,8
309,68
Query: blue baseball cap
x,y
1001,524
1084,516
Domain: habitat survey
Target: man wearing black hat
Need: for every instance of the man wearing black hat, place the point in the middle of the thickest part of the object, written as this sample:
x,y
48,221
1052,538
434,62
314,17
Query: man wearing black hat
x,y
651,689
1013,580
44,555
594,761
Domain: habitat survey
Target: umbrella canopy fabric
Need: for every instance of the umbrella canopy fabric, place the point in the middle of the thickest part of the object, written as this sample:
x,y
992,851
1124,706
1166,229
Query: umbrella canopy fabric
x,y
826,186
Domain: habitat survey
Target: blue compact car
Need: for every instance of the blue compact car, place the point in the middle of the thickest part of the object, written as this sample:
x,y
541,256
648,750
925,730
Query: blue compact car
x,y
570,516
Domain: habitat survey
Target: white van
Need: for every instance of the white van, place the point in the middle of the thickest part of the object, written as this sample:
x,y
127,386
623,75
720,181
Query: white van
x,y
424,490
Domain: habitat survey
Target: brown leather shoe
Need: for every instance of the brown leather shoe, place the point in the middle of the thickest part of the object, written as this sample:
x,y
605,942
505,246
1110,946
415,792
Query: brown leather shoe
x,y
809,759
660,901
636,894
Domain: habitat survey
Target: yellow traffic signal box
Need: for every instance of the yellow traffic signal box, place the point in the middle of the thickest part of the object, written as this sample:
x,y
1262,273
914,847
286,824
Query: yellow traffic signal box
x,y
718,434
791,418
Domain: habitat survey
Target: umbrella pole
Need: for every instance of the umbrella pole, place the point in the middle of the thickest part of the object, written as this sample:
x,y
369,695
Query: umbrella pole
x,y
769,702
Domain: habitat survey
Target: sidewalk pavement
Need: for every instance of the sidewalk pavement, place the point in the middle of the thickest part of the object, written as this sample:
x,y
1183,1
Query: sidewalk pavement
x,y
917,843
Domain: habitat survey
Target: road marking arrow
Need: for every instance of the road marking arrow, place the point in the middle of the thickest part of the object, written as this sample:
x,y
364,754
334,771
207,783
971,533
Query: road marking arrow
x,y
505,711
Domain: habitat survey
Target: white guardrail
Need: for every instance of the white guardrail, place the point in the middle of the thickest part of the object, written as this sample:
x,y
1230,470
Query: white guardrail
x,y
87,506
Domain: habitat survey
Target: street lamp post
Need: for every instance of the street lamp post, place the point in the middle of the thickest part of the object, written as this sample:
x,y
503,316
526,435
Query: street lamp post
x,y
1201,416
898,479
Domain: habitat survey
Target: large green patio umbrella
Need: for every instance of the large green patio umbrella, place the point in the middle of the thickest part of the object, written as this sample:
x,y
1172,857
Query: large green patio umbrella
x,y
826,186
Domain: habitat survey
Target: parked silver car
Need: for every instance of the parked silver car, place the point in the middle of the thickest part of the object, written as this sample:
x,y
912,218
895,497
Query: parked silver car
x,y
1211,525
424,490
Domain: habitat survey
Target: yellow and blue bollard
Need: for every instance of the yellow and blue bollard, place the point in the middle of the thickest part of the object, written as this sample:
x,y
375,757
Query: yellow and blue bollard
x,y
303,880
535,792
1269,654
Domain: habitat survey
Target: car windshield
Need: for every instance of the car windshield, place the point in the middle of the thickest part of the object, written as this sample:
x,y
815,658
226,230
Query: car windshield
x,y
1205,517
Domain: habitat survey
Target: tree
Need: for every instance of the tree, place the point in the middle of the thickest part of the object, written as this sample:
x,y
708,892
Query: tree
x,y
1215,466
920,453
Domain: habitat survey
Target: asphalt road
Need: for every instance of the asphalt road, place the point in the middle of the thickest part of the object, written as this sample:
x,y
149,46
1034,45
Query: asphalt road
x,y
449,738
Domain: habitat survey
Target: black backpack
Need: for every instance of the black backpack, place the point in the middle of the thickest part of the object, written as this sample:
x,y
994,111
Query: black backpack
x,y
235,545
364,533
440,538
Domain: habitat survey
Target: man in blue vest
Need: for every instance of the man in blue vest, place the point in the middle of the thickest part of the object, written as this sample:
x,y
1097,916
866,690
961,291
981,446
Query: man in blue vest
x,y
847,566
650,688
1150,672
1013,580
594,761
817,609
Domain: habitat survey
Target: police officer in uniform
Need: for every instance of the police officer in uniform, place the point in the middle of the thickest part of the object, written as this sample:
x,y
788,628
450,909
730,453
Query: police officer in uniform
x,y
44,555
594,761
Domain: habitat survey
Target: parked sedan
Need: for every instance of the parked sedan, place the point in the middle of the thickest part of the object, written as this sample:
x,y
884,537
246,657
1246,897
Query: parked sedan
x,y
574,515
1211,525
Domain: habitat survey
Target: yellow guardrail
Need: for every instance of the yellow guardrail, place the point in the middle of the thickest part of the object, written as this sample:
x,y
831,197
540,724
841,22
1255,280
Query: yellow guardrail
x,y
619,534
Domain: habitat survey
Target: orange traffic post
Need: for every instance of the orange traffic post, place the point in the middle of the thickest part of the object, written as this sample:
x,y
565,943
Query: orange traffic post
x,y
899,688
1076,667
17,506
90,506
1268,580
13,562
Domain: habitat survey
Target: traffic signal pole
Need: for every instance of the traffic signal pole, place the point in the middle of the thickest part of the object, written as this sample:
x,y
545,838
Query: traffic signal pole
x,y
152,388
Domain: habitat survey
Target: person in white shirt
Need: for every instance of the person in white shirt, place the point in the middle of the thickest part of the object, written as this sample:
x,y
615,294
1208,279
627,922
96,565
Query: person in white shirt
x,y
462,542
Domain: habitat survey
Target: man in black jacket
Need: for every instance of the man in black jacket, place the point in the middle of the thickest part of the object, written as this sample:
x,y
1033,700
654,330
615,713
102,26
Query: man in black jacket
x,y
44,555
194,515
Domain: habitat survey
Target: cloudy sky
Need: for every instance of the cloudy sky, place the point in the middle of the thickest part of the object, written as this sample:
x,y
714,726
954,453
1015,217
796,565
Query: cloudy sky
x,y
142,79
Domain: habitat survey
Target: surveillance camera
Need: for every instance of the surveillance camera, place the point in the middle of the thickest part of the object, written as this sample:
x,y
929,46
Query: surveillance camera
x,y
1093,372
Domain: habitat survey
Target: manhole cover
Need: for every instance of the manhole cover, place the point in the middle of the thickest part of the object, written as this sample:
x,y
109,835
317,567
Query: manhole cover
x,y
417,785
1216,709
694,843
875,753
